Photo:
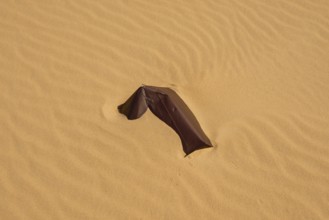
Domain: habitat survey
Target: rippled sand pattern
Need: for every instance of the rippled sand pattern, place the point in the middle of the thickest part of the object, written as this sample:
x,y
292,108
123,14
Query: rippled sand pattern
x,y
255,73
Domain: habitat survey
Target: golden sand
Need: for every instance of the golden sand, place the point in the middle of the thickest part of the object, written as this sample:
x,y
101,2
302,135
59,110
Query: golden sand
x,y
255,73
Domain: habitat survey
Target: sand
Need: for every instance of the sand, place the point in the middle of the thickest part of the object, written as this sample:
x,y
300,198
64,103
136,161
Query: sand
x,y
255,73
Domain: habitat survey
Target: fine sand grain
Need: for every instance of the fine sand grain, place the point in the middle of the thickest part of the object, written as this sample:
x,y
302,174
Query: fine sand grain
x,y
255,73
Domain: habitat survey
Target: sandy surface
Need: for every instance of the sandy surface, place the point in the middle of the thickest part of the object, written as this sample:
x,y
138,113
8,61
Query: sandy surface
x,y
255,73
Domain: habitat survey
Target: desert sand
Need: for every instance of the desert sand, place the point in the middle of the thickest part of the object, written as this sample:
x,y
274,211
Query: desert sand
x,y
255,74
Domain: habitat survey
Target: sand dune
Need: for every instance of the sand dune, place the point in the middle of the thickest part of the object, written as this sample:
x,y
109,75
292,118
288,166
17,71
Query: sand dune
x,y
254,73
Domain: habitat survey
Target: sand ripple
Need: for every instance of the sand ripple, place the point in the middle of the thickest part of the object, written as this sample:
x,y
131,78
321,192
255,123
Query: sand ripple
x,y
255,74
